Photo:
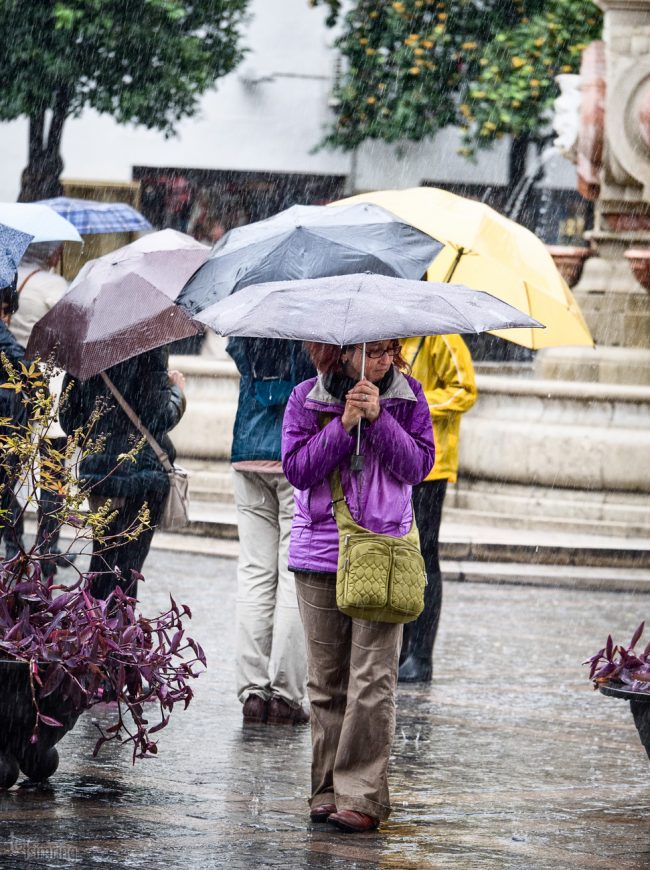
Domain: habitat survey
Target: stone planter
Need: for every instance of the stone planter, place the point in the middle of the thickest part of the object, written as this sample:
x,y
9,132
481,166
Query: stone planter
x,y
639,260
640,707
40,760
569,261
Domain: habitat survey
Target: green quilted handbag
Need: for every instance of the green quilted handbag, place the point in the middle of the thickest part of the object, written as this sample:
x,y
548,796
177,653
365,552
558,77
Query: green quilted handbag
x,y
379,577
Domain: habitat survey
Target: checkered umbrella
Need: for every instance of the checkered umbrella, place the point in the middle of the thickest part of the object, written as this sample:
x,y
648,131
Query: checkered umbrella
x,y
90,217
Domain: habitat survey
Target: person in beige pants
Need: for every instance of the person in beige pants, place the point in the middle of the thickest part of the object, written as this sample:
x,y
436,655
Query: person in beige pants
x,y
270,660
270,656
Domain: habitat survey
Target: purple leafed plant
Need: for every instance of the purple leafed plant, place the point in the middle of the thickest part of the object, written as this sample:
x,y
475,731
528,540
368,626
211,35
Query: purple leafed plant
x,y
622,665
88,651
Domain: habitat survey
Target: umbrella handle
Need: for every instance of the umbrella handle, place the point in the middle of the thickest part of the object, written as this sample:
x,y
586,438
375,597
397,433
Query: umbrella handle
x,y
356,462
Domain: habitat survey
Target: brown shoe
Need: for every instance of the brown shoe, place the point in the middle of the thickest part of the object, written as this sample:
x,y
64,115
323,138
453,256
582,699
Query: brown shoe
x,y
322,813
353,822
255,709
281,712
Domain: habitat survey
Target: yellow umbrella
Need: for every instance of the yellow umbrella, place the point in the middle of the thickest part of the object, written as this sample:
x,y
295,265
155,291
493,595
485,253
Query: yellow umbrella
x,y
488,251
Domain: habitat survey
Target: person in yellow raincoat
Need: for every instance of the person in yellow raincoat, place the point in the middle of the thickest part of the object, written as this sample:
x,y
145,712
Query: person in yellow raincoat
x,y
443,365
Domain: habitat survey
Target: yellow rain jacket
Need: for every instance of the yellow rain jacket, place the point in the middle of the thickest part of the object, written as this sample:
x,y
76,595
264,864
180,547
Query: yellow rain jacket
x,y
443,366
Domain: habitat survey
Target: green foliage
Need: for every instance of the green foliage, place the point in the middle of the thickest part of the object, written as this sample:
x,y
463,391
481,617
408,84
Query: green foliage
x,y
413,65
334,7
515,89
142,61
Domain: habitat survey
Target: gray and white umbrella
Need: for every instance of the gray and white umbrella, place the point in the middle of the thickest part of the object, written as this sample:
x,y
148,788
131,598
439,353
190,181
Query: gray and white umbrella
x,y
356,309
353,309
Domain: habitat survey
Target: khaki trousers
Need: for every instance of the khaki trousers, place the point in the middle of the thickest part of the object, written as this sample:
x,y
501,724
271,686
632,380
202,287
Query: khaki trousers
x,y
352,679
270,647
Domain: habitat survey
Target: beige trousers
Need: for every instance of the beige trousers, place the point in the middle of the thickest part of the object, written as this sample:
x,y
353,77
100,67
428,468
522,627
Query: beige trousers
x,y
352,678
270,648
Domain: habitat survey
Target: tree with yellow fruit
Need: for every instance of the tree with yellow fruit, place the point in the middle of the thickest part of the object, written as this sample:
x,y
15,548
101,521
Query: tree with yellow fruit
x,y
416,66
515,88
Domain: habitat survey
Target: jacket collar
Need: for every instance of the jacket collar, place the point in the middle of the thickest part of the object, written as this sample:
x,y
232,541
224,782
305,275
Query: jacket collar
x,y
399,389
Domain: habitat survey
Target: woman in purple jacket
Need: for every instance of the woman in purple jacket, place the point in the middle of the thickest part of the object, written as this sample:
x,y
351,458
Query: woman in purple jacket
x,y
352,663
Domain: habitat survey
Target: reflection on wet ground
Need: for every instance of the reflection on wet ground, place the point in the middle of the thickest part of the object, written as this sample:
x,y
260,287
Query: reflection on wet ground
x,y
508,760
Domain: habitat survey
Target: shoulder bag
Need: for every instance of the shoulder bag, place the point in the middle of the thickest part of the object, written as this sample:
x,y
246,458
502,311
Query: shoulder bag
x,y
379,578
176,510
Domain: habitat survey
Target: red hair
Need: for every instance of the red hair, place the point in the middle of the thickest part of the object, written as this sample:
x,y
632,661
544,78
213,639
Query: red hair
x,y
327,357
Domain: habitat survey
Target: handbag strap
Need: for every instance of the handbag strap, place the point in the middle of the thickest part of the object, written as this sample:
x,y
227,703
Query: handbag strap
x,y
338,496
25,280
162,456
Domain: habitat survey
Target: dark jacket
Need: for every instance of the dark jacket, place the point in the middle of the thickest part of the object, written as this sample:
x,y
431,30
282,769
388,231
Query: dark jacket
x,y
269,370
10,401
144,383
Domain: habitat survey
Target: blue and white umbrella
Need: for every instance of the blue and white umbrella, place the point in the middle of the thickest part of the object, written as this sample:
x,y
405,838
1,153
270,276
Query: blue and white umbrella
x,y
91,217
13,245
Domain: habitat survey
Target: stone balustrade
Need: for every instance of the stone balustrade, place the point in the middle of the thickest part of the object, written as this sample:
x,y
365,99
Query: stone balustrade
x,y
558,434
545,433
212,389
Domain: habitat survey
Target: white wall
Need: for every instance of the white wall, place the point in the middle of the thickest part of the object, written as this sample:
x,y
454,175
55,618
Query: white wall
x,y
380,165
270,125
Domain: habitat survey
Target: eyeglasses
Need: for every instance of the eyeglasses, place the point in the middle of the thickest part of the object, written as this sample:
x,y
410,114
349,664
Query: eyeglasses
x,y
377,354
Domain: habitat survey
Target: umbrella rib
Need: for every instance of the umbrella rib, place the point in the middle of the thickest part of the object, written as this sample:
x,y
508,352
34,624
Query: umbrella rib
x,y
530,311
347,312
448,301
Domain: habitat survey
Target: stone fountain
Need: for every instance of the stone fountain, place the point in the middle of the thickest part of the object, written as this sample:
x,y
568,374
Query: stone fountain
x,y
569,448
612,154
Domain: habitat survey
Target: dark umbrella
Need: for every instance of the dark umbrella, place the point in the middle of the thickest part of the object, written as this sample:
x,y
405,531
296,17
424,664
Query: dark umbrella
x,y
310,241
13,244
121,305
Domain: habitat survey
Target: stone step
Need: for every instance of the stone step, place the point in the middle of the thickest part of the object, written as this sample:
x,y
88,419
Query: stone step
x,y
548,524
595,579
473,543
511,507
210,481
515,573
573,509
520,573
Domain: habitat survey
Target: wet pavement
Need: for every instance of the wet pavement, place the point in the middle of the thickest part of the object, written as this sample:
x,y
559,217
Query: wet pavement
x,y
508,760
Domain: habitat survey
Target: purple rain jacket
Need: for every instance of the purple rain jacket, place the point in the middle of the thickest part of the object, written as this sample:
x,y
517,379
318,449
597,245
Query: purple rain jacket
x,y
399,452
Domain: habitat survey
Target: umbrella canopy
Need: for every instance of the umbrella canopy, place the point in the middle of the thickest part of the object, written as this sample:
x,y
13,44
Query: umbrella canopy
x,y
310,241
40,221
121,305
486,250
351,309
13,245
91,217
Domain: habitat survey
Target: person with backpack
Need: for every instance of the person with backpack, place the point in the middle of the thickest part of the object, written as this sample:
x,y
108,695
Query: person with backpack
x,y
270,653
